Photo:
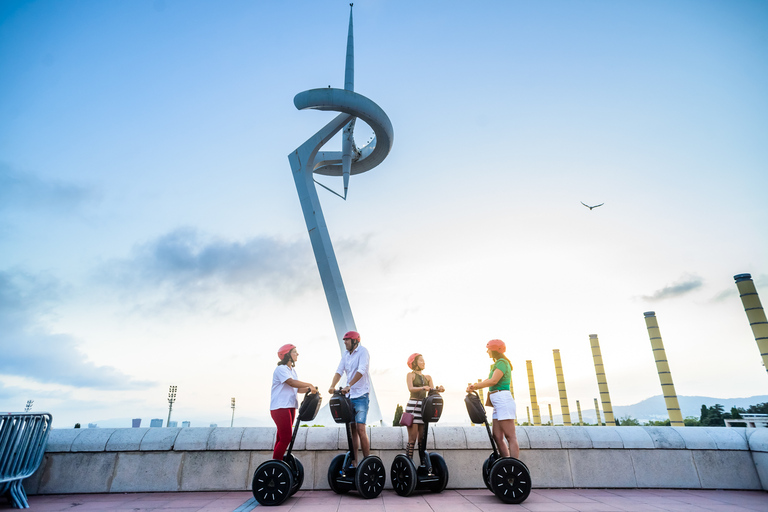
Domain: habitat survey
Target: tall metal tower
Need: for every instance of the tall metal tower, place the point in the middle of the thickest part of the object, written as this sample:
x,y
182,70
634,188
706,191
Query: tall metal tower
x,y
307,160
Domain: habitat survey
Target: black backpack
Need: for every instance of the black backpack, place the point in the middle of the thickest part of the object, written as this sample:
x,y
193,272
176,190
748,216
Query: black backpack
x,y
309,406
341,409
475,408
432,407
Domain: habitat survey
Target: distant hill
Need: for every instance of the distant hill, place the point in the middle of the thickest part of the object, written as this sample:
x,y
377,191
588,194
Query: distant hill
x,y
654,408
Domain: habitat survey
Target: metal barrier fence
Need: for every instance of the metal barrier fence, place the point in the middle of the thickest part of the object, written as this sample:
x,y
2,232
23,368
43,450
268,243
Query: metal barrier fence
x,y
22,444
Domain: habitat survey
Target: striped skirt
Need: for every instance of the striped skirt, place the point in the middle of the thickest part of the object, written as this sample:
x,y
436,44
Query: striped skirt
x,y
414,407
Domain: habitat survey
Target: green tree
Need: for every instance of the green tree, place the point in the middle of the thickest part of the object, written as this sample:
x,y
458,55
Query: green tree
x,y
704,414
628,421
757,409
77,425
691,421
715,416
658,423
398,415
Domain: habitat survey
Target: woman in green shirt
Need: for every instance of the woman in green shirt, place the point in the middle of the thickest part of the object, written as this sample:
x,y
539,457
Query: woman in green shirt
x,y
504,408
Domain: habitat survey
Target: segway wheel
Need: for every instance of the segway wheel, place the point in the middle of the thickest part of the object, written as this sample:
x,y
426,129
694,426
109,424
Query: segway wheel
x,y
298,472
403,475
334,472
487,471
510,480
439,468
370,477
272,482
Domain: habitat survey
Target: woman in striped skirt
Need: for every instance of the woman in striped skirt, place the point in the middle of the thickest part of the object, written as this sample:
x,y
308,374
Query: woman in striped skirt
x,y
418,385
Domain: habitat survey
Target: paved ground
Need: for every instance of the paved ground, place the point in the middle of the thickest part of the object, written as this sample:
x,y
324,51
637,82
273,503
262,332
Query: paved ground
x,y
541,500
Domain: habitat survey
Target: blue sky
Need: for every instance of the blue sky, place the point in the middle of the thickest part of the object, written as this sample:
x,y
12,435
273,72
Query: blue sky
x,y
150,231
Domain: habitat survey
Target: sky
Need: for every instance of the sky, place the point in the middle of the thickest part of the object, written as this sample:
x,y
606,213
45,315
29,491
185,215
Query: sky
x,y
151,234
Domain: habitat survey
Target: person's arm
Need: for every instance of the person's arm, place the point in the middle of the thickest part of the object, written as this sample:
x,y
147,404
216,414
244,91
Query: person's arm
x,y
336,379
439,389
495,378
303,387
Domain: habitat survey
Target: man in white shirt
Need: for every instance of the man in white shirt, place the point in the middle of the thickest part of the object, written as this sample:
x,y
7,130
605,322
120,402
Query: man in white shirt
x,y
355,363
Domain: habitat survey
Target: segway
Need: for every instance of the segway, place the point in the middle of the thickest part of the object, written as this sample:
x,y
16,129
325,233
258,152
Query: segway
x,y
508,478
369,476
432,474
274,481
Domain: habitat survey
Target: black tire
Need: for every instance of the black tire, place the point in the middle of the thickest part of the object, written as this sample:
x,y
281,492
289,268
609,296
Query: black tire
x,y
403,475
510,480
298,472
370,477
487,470
272,483
334,471
439,468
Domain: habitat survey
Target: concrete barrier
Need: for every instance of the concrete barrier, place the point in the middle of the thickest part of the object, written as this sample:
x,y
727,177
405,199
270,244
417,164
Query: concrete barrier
x,y
208,459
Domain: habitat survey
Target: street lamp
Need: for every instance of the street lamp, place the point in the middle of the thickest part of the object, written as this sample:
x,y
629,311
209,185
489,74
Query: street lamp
x,y
171,399
231,423
29,405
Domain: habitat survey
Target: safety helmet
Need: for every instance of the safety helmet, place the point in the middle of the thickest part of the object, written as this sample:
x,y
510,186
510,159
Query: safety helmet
x,y
412,358
284,350
352,335
496,345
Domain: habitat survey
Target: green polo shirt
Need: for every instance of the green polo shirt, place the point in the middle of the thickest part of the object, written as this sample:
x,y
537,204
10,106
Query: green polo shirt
x,y
506,368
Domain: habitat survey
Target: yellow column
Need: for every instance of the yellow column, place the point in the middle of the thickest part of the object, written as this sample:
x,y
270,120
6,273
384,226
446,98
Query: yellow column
x,y
551,418
755,313
597,413
662,366
578,408
528,412
602,384
532,388
561,388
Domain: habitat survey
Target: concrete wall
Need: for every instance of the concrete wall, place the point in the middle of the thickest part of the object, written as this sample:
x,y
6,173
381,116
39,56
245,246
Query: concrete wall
x,y
197,459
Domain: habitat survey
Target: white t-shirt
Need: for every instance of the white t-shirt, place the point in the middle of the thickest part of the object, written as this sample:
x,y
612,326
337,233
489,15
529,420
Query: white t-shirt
x,y
283,395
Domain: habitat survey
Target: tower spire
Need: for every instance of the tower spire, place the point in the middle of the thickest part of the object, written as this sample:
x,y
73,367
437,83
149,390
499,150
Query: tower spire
x,y
349,68
348,138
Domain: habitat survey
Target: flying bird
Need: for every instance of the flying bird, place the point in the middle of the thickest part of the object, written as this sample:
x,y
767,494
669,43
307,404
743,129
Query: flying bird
x,y
590,207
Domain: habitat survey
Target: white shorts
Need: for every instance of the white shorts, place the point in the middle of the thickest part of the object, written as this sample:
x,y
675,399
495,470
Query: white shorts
x,y
504,407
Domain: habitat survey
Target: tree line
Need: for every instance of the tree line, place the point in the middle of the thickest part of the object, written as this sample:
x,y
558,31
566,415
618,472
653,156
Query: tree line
x,y
714,416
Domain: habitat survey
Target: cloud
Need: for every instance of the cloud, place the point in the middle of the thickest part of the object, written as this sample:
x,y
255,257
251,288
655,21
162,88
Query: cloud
x,y
191,270
683,286
29,192
27,349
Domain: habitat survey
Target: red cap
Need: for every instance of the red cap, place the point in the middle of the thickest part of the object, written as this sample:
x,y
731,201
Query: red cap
x,y
412,358
496,345
284,350
352,335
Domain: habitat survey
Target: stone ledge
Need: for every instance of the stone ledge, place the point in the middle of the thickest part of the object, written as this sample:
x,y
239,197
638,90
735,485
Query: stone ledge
x,y
390,438
231,470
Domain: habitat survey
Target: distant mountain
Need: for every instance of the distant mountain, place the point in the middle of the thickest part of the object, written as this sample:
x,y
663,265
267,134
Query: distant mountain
x,y
655,408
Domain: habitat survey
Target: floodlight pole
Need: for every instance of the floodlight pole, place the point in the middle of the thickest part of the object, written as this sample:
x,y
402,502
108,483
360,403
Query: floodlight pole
x,y
28,407
171,399
231,423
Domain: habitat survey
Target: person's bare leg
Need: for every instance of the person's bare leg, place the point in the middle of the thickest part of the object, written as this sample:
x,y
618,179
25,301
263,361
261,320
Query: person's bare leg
x,y
498,436
508,427
355,442
365,444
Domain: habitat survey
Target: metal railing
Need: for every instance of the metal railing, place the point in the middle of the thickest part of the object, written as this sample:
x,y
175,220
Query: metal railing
x,y
22,444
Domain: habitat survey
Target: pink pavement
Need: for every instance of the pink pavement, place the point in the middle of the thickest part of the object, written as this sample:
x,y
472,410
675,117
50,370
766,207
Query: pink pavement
x,y
469,500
